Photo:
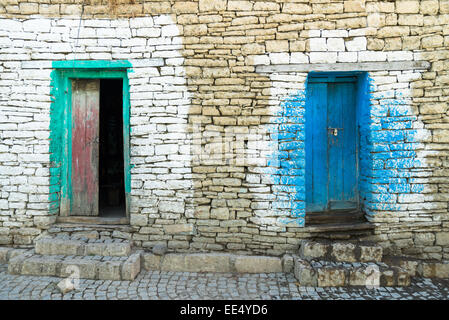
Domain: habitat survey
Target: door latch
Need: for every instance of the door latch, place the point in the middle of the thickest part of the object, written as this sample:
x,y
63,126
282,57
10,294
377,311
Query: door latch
x,y
335,131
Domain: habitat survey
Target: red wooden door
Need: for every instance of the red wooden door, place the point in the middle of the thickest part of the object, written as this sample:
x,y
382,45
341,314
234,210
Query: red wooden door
x,y
85,143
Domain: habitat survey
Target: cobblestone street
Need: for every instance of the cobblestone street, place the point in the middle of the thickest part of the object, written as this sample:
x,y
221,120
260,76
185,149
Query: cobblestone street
x,y
205,286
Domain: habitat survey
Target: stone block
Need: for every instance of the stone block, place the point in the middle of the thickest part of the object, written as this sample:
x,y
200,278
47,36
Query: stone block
x,y
151,261
387,278
94,249
6,239
212,5
442,238
109,270
139,220
356,44
370,253
331,277
434,270
277,45
354,6
405,6
108,249
4,254
131,267
335,44
410,266
185,229
159,249
40,266
343,252
82,268
173,262
313,250
305,274
288,264
15,264
208,262
240,5
257,264
52,246
403,278
66,285
365,276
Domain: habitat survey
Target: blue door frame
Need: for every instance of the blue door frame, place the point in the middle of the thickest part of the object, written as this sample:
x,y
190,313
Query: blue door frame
x,y
331,142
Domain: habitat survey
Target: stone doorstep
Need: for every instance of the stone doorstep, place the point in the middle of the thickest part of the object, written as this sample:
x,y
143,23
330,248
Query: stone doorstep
x,y
216,262
55,246
340,251
101,268
6,253
421,268
337,274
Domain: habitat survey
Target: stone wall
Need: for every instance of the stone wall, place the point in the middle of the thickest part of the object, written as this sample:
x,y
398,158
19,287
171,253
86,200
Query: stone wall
x,y
207,124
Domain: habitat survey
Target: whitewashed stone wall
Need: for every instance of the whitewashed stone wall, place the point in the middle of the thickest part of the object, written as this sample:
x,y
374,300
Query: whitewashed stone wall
x,y
159,103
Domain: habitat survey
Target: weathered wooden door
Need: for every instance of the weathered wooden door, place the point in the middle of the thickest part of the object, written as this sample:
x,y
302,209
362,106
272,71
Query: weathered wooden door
x,y
331,144
85,146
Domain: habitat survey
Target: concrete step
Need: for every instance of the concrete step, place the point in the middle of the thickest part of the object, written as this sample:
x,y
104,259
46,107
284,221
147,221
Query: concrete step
x,y
83,267
340,251
316,273
82,247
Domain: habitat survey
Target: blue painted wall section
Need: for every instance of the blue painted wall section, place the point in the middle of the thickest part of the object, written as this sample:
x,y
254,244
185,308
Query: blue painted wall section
x,y
387,153
388,145
286,166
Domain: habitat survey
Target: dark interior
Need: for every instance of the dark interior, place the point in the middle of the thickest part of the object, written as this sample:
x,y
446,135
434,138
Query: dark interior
x,y
111,162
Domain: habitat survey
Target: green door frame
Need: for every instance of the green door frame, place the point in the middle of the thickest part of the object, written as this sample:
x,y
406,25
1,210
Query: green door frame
x,y
61,111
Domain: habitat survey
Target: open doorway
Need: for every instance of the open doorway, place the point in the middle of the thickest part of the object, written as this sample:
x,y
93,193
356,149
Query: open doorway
x,y
111,161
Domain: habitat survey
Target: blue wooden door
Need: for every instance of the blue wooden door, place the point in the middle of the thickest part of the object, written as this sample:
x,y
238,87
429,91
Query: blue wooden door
x,y
331,144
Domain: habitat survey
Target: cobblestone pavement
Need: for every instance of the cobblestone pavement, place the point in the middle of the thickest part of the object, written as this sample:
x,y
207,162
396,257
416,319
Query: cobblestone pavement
x,y
200,286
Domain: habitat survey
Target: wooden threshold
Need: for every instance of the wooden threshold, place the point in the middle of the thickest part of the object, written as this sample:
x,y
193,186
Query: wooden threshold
x,y
93,220
335,217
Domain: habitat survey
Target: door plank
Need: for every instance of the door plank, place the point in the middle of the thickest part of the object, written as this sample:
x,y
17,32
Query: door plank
x,y
85,147
350,147
316,148
342,148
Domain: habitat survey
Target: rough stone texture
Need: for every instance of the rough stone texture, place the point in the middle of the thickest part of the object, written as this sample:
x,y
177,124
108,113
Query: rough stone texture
x,y
434,269
208,263
159,249
66,285
249,264
343,252
370,253
322,273
288,263
151,261
4,254
69,246
305,274
312,250
331,277
110,270
131,267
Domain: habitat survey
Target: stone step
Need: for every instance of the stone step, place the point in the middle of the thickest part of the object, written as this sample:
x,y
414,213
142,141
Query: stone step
x,y
317,273
421,268
82,247
83,267
340,251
